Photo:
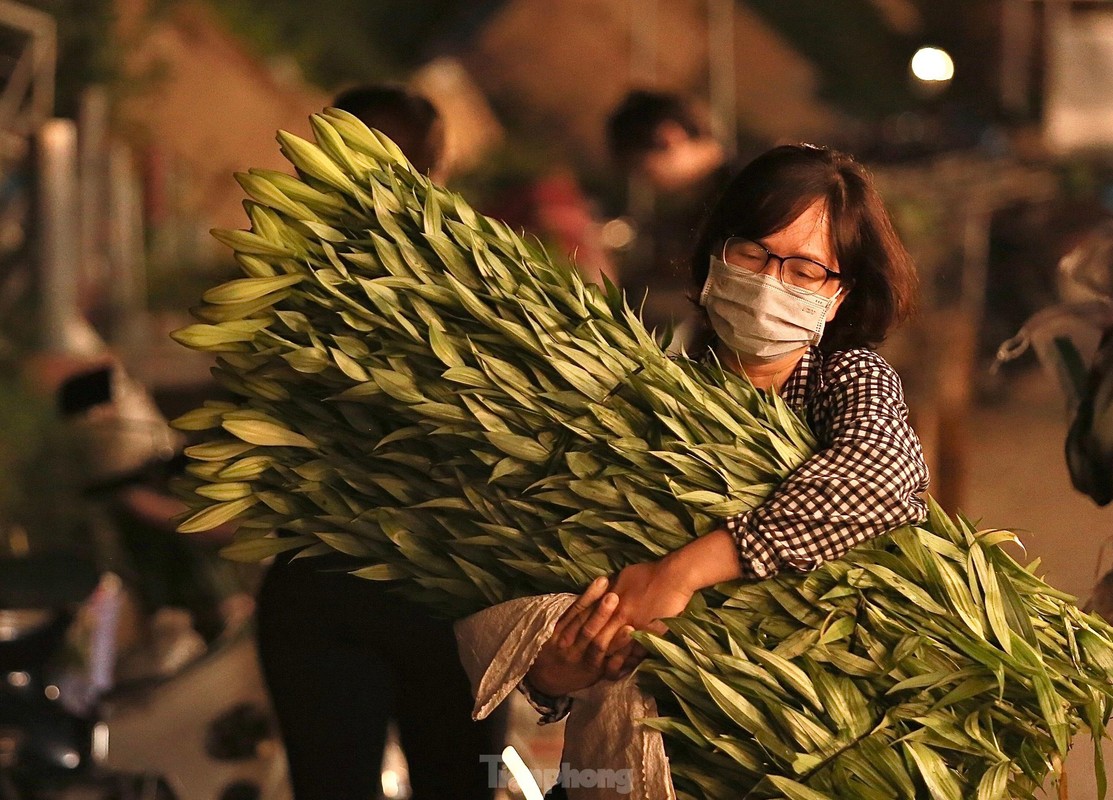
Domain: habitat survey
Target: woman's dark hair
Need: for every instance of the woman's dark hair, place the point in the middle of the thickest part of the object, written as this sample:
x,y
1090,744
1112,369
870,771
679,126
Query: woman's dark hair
x,y
410,120
770,192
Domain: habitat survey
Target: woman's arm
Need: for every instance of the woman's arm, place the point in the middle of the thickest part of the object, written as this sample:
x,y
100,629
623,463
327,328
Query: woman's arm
x,y
862,484
652,590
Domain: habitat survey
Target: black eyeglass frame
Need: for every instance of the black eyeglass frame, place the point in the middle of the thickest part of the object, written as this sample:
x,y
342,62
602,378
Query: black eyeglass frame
x,y
769,255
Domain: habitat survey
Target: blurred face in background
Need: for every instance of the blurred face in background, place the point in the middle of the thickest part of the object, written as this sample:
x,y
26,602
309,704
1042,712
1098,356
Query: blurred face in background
x,y
677,159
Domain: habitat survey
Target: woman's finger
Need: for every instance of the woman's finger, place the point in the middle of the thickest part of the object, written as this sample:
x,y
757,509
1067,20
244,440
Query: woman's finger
x,y
616,663
636,655
630,665
594,591
565,632
573,629
622,642
579,639
601,643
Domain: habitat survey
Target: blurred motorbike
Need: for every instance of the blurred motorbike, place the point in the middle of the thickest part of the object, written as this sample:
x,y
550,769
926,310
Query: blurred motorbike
x,y
42,742
126,671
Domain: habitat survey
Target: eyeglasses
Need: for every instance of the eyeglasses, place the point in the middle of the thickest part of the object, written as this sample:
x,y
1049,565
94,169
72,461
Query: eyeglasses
x,y
796,273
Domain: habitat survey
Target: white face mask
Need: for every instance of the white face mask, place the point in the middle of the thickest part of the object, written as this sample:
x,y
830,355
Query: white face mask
x,y
757,317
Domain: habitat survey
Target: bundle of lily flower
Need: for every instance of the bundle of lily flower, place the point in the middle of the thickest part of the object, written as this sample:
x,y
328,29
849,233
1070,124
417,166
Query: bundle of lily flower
x,y
420,388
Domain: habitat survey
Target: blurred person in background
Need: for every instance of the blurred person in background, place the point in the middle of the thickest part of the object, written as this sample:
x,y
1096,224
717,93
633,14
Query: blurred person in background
x,y
676,169
343,656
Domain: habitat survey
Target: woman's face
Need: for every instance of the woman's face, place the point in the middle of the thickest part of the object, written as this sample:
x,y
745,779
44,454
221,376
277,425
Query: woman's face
x,y
809,236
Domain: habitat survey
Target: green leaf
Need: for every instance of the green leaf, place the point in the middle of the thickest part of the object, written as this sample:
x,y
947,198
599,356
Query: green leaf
x,y
266,434
838,630
251,244
309,159
348,365
216,515
202,419
940,781
994,784
345,543
217,451
399,386
1050,704
244,290
993,599
956,592
442,346
796,791
734,704
788,674
255,550
911,591
309,360
233,490
505,468
520,447
382,572
580,380
468,376
219,337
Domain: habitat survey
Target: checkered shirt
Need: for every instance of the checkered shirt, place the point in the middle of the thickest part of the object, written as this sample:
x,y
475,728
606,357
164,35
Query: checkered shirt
x,y
864,481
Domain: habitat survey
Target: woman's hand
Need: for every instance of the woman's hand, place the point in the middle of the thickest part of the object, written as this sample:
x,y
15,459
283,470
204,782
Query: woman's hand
x,y
567,662
654,590
646,593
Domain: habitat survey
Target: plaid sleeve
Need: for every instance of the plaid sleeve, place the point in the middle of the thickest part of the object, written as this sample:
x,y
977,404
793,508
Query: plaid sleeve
x,y
865,481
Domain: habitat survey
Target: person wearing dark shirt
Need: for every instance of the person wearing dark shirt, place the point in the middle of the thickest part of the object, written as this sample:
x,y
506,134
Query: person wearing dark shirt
x,y
675,169
343,656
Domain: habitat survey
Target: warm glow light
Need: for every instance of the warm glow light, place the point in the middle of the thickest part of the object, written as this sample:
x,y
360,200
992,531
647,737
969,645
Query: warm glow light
x,y
933,65
618,234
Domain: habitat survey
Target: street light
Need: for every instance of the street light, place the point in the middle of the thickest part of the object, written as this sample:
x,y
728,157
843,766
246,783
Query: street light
x,y
932,70
932,65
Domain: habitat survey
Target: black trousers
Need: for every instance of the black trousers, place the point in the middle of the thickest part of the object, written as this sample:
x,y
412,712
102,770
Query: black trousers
x,y
341,657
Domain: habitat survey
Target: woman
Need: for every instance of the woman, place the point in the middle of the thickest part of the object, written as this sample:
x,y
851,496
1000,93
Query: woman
x,y
801,275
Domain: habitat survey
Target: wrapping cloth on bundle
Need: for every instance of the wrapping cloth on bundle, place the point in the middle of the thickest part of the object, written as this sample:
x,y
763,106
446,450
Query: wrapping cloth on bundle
x,y
603,732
